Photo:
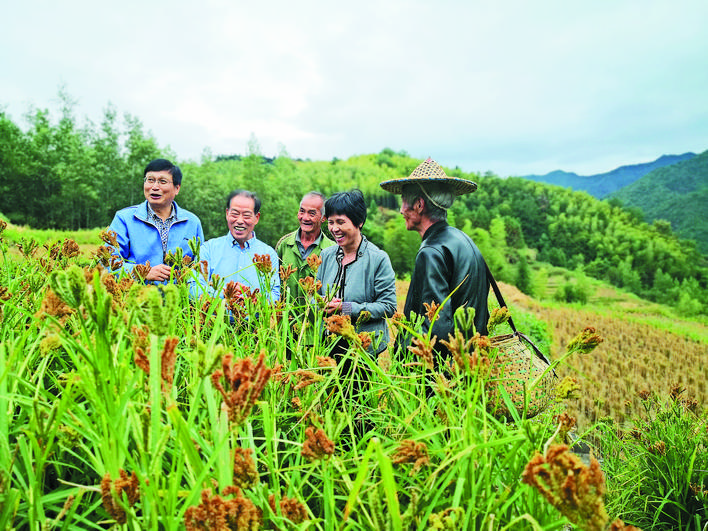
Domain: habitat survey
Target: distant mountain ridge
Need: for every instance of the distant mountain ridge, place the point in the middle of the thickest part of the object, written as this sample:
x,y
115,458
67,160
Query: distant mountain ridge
x,y
602,185
677,193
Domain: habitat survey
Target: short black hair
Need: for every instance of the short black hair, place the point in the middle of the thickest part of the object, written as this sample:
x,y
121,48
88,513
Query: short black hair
x,y
245,193
165,165
350,204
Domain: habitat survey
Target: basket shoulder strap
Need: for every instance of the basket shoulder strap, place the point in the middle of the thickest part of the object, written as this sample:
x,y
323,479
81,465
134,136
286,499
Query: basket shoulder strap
x,y
498,293
500,298
535,348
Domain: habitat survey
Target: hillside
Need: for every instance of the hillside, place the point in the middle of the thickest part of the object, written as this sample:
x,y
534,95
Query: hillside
x,y
603,184
510,218
676,193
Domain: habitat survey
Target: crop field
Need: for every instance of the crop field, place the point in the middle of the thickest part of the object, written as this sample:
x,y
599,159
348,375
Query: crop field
x,y
129,406
643,350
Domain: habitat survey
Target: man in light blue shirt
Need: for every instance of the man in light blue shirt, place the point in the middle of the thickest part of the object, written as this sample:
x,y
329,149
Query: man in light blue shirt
x,y
231,257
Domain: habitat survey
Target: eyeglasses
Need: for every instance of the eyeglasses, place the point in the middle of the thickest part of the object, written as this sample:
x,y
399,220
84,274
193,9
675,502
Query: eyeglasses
x,y
161,181
245,215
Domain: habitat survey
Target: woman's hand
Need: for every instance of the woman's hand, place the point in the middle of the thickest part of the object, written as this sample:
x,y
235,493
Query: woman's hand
x,y
333,306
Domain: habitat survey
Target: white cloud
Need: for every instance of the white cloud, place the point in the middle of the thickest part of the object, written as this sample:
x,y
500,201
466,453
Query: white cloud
x,y
508,86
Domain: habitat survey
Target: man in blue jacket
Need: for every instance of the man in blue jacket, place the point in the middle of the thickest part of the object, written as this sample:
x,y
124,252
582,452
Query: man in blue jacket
x,y
148,231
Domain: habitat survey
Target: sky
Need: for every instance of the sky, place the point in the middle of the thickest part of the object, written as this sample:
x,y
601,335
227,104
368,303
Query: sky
x,y
512,87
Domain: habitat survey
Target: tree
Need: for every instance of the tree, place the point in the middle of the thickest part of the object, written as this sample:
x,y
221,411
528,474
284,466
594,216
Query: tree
x,y
278,210
662,227
13,152
664,289
557,257
375,226
493,253
524,280
77,201
109,167
39,171
514,234
401,245
141,149
385,158
253,167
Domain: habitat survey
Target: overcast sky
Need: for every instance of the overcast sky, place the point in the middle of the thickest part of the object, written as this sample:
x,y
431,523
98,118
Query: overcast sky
x,y
509,86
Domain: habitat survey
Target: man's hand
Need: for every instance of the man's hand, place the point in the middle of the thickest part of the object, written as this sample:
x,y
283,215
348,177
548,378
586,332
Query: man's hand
x,y
159,273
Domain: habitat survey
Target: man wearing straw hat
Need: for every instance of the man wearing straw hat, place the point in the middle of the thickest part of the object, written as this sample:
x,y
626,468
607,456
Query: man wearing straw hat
x,y
448,262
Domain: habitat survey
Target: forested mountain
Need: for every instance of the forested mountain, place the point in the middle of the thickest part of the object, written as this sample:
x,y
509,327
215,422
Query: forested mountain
x,y
676,193
59,175
603,184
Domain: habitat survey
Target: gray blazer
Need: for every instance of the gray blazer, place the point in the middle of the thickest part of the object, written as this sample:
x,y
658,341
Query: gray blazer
x,y
366,284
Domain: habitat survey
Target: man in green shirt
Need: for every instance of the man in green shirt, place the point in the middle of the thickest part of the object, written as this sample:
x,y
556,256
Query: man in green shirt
x,y
293,249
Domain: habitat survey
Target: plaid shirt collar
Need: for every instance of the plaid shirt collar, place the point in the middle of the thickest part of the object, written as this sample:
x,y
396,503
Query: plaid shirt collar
x,y
162,225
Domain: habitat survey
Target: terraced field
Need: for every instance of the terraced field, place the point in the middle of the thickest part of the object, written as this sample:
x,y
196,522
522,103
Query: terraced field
x,y
645,347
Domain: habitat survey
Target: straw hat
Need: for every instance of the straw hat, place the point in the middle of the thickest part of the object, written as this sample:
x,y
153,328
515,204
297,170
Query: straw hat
x,y
430,172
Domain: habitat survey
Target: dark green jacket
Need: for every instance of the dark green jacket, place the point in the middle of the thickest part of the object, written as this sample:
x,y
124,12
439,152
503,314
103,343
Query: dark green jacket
x,y
289,253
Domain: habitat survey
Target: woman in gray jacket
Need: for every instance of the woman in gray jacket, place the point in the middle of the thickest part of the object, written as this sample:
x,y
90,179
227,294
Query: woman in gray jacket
x,y
355,273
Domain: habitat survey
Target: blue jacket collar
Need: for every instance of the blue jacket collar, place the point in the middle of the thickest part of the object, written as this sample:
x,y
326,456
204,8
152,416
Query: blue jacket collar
x,y
142,212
